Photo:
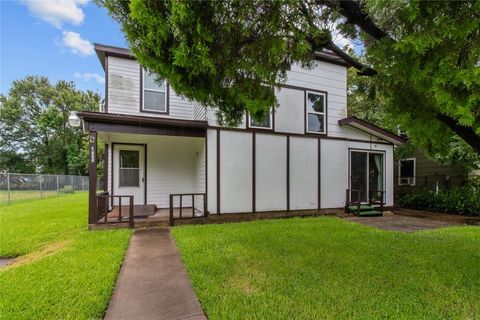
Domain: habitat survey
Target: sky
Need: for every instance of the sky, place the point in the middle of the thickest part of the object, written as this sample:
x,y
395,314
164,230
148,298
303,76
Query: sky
x,y
54,38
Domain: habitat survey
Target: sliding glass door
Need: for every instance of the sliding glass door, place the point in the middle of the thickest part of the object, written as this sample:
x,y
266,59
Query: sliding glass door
x,y
366,174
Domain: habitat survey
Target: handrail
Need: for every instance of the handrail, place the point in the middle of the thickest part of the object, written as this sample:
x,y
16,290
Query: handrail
x,y
105,196
181,195
348,199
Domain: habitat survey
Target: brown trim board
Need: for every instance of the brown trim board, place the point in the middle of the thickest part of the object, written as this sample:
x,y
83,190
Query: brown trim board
x,y
106,85
218,171
319,177
254,172
288,172
371,126
92,178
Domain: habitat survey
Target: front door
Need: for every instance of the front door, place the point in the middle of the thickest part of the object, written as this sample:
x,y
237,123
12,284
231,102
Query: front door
x,y
128,172
366,174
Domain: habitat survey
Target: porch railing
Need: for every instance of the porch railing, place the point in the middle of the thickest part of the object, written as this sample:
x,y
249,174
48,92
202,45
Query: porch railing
x,y
103,209
375,197
182,214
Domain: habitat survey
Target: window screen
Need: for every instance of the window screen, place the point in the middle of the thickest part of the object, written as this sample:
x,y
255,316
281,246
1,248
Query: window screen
x,y
316,112
154,93
129,175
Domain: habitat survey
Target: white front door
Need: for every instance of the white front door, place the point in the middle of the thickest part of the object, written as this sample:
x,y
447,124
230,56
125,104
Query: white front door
x,y
128,172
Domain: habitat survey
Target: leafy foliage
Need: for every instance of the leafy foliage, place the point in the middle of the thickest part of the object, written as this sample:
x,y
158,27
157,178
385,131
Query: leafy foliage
x,y
231,54
460,200
34,130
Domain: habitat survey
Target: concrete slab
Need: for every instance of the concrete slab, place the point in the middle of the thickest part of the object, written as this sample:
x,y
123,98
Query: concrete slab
x,y
153,283
401,223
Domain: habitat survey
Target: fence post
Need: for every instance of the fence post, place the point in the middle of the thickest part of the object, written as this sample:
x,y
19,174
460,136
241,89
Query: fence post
x,y
57,183
41,189
71,182
83,183
8,187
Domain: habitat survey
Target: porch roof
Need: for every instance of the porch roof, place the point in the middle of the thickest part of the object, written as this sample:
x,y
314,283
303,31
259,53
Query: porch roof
x,y
114,122
372,129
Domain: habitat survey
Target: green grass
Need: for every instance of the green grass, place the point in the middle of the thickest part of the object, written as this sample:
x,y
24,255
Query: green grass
x,y
63,271
327,268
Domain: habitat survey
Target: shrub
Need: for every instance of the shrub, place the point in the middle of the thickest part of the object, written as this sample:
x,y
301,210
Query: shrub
x,y
67,189
459,200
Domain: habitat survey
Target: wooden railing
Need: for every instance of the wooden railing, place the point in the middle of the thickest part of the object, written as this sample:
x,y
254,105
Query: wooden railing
x,y
348,199
103,209
181,207
373,200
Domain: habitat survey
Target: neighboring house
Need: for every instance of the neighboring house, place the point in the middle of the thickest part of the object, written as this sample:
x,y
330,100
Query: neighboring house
x,y
419,171
303,156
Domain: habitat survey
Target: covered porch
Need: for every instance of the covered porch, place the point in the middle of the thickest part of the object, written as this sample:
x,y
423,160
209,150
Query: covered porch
x,y
154,169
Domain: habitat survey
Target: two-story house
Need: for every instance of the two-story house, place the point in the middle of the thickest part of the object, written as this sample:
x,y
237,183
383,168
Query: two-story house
x,y
303,156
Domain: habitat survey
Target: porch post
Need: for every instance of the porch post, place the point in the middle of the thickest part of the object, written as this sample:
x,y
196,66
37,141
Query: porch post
x,y
92,179
105,168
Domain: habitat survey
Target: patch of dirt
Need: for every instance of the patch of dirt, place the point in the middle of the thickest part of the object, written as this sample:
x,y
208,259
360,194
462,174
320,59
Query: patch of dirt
x,y
47,251
5,262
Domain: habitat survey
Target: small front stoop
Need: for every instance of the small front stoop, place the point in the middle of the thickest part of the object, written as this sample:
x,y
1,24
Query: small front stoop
x,y
365,210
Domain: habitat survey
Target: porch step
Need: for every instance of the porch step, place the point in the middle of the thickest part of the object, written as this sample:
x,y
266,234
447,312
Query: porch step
x,y
371,213
363,207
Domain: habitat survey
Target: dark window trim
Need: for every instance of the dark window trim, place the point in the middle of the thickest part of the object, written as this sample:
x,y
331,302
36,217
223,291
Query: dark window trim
x,y
325,113
167,97
414,172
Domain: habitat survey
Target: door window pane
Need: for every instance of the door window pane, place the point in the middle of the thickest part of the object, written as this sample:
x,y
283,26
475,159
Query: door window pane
x,y
358,175
375,175
129,169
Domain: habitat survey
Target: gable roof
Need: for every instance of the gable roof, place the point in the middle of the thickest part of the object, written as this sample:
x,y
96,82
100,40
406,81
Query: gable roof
x,y
103,50
372,129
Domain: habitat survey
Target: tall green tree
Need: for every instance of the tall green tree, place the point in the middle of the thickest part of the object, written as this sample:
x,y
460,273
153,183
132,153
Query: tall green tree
x,y
34,131
424,55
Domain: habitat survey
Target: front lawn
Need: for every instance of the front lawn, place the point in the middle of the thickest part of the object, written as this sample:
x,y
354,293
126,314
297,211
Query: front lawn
x,y
63,270
317,268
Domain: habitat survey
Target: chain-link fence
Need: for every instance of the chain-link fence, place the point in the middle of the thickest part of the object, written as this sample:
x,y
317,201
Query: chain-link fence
x,y
17,187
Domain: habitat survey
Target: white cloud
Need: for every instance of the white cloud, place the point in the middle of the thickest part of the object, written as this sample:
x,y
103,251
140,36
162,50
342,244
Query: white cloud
x,y
57,12
341,41
76,44
88,76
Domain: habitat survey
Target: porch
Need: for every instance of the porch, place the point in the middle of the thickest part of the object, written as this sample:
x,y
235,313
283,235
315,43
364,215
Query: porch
x,y
154,170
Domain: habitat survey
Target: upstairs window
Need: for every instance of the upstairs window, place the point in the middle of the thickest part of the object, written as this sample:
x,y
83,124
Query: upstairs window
x,y
154,93
316,112
406,172
265,123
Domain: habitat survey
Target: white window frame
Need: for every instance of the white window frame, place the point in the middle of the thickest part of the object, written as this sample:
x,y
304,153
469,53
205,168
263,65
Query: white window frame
x,y
250,118
410,181
324,113
153,90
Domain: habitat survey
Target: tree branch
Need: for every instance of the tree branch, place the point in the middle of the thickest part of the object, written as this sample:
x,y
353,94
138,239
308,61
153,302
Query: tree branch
x,y
466,133
363,69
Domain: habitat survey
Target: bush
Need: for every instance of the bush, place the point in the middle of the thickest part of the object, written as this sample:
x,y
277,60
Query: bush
x,y
459,200
67,189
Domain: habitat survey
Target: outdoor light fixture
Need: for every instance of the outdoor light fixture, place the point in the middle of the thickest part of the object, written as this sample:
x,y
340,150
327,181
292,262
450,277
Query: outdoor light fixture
x,y
73,119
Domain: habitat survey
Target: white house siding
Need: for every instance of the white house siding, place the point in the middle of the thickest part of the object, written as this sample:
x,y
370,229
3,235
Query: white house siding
x,y
290,114
124,92
236,171
271,172
172,165
335,169
303,173
212,170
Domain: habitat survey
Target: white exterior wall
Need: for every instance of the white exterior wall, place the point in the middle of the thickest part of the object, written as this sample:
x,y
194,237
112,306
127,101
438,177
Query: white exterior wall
x,y
236,171
271,172
174,165
124,92
303,173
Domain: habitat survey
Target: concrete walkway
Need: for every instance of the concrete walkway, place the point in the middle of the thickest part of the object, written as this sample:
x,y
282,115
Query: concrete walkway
x,y
153,283
394,222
